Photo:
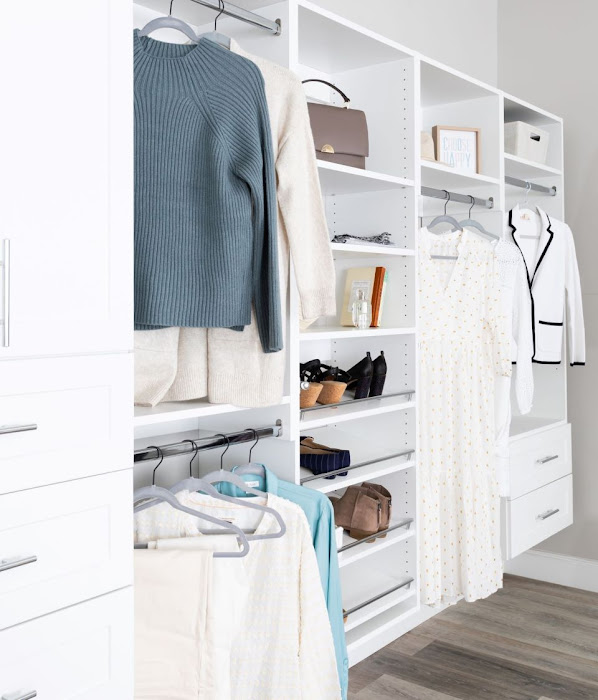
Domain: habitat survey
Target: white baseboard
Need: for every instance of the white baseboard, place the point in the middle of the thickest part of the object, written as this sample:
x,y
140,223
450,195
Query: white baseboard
x,y
556,568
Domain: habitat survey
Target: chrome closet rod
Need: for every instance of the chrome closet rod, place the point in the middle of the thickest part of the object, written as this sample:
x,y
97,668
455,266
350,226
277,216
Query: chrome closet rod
x,y
527,185
456,197
351,402
378,597
377,460
207,443
242,14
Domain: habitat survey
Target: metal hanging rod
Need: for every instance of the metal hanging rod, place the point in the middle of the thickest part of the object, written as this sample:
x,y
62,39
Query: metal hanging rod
x,y
351,402
406,583
342,470
527,185
227,8
456,197
207,443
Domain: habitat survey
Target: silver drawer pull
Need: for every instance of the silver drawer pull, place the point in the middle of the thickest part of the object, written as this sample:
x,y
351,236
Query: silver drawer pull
x,y
547,459
6,429
549,514
5,265
20,695
6,564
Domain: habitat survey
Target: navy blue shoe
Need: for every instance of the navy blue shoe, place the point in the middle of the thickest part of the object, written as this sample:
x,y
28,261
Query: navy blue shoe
x,y
320,459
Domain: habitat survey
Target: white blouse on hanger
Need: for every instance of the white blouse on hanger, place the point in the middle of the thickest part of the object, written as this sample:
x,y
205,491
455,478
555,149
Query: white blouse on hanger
x,y
517,307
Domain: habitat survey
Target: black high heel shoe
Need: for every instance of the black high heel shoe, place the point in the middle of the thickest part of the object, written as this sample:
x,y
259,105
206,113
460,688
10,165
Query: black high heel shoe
x,y
361,377
379,377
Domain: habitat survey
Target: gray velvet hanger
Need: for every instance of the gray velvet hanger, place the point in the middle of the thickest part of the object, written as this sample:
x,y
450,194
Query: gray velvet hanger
x,y
159,494
252,468
216,36
472,223
224,476
445,218
169,22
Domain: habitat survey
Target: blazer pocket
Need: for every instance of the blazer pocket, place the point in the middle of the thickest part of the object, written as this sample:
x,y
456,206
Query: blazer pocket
x,y
550,336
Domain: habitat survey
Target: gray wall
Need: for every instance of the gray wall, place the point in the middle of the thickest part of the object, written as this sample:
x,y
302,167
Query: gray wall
x,y
548,55
461,33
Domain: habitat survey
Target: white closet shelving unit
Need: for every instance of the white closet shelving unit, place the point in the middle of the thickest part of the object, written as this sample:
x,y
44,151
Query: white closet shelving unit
x,y
402,93
66,354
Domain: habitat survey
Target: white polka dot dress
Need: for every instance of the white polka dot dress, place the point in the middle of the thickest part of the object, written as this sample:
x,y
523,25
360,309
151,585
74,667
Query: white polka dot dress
x,y
463,343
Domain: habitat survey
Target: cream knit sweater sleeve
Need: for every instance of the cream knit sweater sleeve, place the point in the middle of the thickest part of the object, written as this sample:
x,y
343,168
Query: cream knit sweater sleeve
x,y
302,209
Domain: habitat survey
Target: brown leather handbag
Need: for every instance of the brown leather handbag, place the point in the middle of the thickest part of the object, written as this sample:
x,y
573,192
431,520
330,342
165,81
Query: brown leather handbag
x,y
340,134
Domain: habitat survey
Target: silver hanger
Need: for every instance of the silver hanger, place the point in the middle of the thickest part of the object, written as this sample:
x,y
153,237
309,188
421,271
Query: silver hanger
x,y
472,223
216,36
169,22
159,494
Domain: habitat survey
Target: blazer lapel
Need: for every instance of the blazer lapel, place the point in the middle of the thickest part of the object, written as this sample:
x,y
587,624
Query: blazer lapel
x,y
546,237
544,243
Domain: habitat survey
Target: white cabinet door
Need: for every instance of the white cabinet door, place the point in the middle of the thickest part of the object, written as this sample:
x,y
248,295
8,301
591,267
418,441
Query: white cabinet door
x,y
64,544
66,178
82,653
64,418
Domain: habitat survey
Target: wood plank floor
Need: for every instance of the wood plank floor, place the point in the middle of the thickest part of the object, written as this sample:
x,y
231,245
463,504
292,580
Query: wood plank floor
x,y
529,641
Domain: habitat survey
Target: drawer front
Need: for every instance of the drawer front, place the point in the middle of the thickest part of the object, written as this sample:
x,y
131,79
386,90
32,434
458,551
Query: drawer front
x,y
82,653
63,544
539,514
64,418
540,459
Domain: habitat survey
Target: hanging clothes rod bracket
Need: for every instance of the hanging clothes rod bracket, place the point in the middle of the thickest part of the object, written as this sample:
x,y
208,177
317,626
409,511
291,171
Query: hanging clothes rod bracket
x,y
527,185
456,197
210,442
227,8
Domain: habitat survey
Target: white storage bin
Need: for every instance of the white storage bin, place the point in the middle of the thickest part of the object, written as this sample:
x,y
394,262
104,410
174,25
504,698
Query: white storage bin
x,y
526,141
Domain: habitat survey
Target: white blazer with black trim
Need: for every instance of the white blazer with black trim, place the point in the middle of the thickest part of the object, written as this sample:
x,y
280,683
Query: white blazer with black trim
x,y
553,279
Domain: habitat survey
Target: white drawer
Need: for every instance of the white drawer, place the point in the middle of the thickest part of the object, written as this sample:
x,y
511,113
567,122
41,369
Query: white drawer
x,y
538,515
82,653
81,408
540,459
77,538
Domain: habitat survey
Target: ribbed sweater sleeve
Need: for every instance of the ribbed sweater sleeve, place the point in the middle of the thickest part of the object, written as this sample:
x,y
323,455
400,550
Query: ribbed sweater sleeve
x,y
238,103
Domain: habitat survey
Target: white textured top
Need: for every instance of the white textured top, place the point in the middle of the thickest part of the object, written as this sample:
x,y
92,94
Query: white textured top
x,y
284,649
516,303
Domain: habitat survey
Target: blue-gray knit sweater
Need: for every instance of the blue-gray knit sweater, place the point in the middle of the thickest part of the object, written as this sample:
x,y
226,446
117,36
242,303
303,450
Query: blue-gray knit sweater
x,y
205,191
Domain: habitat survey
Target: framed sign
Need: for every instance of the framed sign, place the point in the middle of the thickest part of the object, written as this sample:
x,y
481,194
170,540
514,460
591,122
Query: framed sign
x,y
458,146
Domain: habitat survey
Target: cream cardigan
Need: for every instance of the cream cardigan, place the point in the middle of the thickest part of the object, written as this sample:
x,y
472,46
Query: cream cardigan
x,y
228,366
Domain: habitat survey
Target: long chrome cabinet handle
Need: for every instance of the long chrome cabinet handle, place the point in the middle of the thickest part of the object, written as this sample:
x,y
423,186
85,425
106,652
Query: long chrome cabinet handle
x,y
6,564
20,695
5,292
549,514
6,429
547,459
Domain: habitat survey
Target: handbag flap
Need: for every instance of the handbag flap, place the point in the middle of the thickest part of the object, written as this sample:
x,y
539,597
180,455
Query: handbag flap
x,y
345,130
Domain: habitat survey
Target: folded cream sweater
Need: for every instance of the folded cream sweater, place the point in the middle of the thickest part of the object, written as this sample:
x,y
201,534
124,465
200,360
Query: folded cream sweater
x,y
228,366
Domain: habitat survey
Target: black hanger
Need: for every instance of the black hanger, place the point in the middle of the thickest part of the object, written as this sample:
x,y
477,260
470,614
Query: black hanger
x,y
161,455
221,5
194,455
257,439
225,450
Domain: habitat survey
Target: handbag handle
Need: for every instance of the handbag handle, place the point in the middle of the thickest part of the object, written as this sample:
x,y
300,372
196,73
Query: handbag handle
x,y
325,82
